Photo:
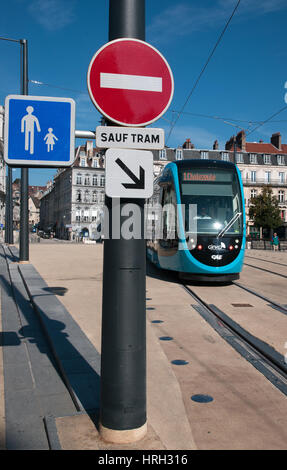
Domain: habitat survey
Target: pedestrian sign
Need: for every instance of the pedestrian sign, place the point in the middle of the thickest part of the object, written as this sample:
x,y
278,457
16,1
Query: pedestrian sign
x,y
39,131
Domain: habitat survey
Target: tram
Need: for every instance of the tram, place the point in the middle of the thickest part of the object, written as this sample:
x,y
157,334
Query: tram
x,y
195,220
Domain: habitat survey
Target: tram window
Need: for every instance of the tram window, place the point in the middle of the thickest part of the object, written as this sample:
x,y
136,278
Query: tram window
x,y
217,196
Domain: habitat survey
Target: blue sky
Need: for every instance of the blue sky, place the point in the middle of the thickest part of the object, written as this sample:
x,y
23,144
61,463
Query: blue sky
x,y
242,84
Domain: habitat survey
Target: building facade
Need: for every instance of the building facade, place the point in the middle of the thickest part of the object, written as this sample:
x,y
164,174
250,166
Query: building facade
x,y
72,207
260,164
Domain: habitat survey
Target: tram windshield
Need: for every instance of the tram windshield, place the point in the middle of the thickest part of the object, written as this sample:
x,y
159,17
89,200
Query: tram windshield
x,y
215,197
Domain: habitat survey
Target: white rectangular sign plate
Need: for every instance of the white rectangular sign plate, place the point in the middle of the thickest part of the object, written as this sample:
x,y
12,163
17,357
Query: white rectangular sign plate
x,y
129,173
129,137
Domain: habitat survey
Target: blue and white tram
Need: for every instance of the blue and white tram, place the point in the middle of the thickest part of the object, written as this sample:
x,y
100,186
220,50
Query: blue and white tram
x,y
196,220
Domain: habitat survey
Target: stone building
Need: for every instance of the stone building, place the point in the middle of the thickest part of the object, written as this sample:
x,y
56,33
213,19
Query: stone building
x,y
260,164
73,206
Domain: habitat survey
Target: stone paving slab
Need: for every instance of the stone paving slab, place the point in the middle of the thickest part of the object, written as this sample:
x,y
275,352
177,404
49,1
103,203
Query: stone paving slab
x,y
67,340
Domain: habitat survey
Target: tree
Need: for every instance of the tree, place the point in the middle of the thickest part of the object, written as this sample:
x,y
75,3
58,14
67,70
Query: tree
x,y
264,210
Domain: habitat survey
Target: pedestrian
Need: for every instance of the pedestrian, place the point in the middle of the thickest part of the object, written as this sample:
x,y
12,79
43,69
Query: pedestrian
x,y
275,242
50,139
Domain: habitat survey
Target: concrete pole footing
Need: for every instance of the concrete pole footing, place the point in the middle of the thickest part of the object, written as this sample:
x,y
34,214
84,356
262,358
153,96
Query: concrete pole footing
x,y
123,437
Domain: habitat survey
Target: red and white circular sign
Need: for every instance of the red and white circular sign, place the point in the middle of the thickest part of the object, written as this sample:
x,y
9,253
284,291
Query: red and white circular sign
x,y
130,82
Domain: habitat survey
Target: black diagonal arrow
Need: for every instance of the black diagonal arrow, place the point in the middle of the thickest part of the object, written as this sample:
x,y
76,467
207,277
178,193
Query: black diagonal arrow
x,y
139,183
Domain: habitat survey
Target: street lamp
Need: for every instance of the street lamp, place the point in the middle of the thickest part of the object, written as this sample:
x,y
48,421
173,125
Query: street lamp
x,y
24,220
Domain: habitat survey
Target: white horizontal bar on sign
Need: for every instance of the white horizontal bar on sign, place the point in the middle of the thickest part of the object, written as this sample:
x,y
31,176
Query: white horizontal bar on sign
x,y
130,82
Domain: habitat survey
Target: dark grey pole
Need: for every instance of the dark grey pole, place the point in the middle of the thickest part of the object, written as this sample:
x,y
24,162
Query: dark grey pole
x,y
7,207
127,19
123,354
10,202
24,212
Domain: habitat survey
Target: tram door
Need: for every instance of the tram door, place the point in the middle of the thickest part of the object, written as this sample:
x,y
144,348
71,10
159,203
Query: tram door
x,y
168,243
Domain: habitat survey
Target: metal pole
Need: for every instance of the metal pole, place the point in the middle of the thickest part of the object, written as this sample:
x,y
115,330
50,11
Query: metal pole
x,y
123,353
24,212
7,209
9,238
127,19
10,202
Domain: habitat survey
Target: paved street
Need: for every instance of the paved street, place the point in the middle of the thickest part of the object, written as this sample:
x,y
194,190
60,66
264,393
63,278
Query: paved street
x,y
245,410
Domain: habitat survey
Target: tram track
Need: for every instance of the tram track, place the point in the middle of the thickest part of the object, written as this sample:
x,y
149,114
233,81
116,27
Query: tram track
x,y
266,260
258,353
265,270
281,308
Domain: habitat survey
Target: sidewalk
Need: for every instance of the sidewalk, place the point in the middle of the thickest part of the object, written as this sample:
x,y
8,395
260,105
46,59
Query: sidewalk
x,y
57,378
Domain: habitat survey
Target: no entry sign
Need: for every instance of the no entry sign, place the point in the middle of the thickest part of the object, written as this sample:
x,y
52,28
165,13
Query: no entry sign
x,y
130,82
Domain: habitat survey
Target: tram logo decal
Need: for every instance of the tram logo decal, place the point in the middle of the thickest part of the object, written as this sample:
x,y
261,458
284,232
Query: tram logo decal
x,y
216,257
222,246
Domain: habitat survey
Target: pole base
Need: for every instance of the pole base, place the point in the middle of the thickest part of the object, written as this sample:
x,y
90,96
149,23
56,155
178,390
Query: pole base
x,y
24,262
123,437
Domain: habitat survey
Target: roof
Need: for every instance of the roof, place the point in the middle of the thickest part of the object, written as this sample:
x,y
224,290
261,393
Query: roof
x,y
89,157
261,147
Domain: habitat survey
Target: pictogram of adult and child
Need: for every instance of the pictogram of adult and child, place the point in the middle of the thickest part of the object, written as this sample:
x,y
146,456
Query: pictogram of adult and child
x,y
28,124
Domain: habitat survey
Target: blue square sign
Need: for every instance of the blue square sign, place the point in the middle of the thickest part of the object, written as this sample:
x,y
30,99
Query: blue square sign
x,y
39,131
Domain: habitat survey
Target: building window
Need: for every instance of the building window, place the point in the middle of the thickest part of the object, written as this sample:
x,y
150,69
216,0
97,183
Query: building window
x,y
280,160
267,176
267,159
178,154
95,196
102,181
225,156
79,179
204,155
87,180
281,178
281,196
95,180
86,215
253,193
253,158
95,163
239,158
87,196
162,154
79,196
253,176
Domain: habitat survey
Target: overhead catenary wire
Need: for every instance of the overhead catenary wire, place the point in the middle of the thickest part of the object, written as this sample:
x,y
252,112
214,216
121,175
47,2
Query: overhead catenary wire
x,y
204,67
221,118
268,119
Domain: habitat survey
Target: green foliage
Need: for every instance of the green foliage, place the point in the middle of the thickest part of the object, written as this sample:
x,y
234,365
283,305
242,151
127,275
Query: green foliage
x,y
265,210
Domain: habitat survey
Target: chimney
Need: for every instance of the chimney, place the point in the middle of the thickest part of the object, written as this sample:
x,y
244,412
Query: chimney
x,y
215,145
276,140
188,145
89,148
229,143
241,140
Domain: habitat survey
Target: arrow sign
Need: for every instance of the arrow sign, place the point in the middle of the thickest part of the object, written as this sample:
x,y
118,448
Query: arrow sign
x,y
124,166
139,183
